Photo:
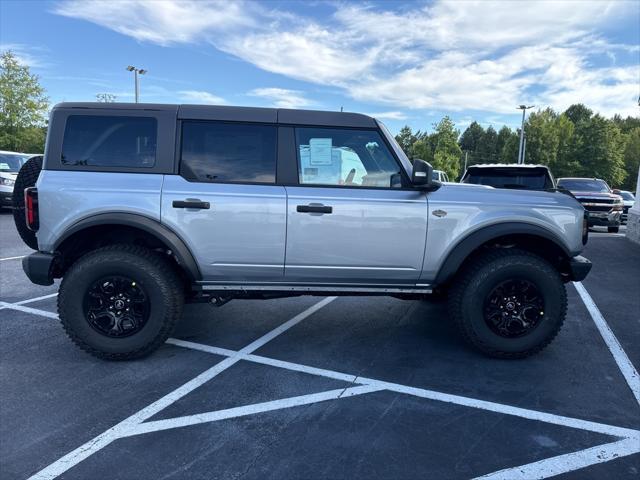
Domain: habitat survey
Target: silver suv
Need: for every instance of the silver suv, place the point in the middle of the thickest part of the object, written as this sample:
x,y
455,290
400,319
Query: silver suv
x,y
140,208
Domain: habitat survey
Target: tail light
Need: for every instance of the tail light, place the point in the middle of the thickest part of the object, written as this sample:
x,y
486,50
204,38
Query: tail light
x,y
585,227
31,208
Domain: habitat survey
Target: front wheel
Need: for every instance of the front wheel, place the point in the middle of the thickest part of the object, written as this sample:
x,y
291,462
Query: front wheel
x,y
120,302
508,303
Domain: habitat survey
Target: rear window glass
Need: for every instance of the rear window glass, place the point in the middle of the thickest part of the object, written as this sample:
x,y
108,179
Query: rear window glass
x,y
532,180
109,141
226,152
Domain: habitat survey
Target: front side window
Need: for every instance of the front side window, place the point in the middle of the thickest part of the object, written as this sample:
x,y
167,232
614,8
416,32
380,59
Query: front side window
x,y
228,152
109,141
351,158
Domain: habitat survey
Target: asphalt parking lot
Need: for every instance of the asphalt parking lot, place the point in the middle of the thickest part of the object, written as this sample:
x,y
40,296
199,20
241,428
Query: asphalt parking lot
x,y
314,387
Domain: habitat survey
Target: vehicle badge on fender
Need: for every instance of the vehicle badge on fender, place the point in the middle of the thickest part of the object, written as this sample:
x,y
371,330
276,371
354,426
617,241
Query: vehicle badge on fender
x,y
439,213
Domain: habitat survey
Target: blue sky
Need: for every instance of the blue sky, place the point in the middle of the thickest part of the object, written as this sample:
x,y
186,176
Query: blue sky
x,y
404,62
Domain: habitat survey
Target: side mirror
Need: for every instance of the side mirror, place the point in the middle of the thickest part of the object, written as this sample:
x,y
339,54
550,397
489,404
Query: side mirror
x,y
423,175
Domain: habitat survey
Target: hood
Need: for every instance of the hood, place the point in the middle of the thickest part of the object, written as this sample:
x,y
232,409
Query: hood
x,y
11,175
602,195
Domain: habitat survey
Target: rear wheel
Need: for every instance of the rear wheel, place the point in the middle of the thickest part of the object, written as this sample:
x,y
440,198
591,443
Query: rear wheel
x,y
613,229
508,303
120,302
27,177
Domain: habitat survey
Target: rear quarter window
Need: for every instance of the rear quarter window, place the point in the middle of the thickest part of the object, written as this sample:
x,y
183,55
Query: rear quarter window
x,y
109,141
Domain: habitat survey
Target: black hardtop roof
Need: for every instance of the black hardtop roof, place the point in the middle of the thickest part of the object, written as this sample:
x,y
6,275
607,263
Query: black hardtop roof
x,y
239,114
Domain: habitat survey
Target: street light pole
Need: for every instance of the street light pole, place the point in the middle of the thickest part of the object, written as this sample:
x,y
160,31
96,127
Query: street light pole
x,y
524,109
136,71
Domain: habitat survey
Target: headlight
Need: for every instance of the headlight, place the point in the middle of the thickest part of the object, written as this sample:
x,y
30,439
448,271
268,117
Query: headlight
x,y
7,182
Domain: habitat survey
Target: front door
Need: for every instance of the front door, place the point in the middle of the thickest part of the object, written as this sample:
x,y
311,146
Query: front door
x,y
349,221
225,204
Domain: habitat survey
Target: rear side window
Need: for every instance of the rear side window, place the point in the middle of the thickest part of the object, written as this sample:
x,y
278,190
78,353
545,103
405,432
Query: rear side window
x,y
510,178
109,141
228,152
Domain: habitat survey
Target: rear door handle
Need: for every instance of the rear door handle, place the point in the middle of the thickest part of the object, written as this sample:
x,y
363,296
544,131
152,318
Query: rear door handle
x,y
191,203
314,208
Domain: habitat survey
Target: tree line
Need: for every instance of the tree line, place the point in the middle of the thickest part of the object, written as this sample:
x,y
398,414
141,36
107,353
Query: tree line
x,y
576,142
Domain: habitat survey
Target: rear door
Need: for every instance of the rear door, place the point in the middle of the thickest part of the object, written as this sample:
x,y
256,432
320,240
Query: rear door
x,y
350,221
224,202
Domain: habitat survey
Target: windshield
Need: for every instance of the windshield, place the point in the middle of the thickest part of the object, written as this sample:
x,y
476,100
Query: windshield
x,y
406,163
627,196
584,185
510,178
12,162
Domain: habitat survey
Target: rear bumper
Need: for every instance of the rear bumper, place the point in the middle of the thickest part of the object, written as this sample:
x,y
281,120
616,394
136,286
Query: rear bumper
x,y
39,267
579,268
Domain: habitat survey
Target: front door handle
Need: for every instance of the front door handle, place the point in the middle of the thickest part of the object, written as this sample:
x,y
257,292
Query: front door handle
x,y
314,208
191,203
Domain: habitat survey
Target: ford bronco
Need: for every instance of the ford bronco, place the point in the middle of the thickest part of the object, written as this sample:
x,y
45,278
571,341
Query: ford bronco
x,y
140,208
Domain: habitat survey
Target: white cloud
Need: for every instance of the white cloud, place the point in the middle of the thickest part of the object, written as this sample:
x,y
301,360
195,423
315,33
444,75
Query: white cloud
x,y
445,55
282,97
28,55
200,97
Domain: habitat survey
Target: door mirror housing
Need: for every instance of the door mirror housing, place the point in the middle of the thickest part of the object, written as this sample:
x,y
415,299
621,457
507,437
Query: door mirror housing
x,y
422,176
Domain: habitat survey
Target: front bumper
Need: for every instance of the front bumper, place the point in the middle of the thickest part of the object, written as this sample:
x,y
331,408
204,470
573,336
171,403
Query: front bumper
x,y
39,267
6,199
579,268
605,219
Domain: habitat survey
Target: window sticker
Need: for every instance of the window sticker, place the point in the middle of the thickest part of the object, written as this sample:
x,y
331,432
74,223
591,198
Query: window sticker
x,y
4,166
320,151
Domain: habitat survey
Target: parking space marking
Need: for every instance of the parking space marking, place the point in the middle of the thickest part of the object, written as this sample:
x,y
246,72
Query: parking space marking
x,y
568,462
502,408
214,416
619,355
12,258
628,442
35,311
121,429
37,299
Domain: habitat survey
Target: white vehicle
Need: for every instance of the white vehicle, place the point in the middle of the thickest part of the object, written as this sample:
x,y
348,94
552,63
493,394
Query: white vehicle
x,y
10,163
628,198
440,176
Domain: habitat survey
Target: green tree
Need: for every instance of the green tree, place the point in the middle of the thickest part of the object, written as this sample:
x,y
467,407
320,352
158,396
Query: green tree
x,y
578,113
565,164
503,137
632,158
23,107
447,152
486,149
542,138
406,139
599,150
471,137
509,153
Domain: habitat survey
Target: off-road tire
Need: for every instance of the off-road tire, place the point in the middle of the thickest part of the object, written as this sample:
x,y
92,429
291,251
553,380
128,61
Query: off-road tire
x,y
27,177
613,229
154,274
476,280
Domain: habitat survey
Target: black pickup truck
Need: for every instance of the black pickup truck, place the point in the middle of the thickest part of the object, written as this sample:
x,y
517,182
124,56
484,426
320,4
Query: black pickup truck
x,y
604,206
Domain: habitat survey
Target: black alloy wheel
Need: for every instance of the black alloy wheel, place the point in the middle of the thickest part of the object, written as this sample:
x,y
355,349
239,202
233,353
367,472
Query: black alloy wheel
x,y
514,308
116,306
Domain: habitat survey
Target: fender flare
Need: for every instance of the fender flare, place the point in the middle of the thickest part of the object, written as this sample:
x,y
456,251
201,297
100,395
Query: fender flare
x,y
146,224
471,242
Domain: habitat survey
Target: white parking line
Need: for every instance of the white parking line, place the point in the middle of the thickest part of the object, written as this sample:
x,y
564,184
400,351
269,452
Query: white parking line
x,y
35,311
628,443
502,408
619,355
37,299
283,403
568,462
124,427
12,258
